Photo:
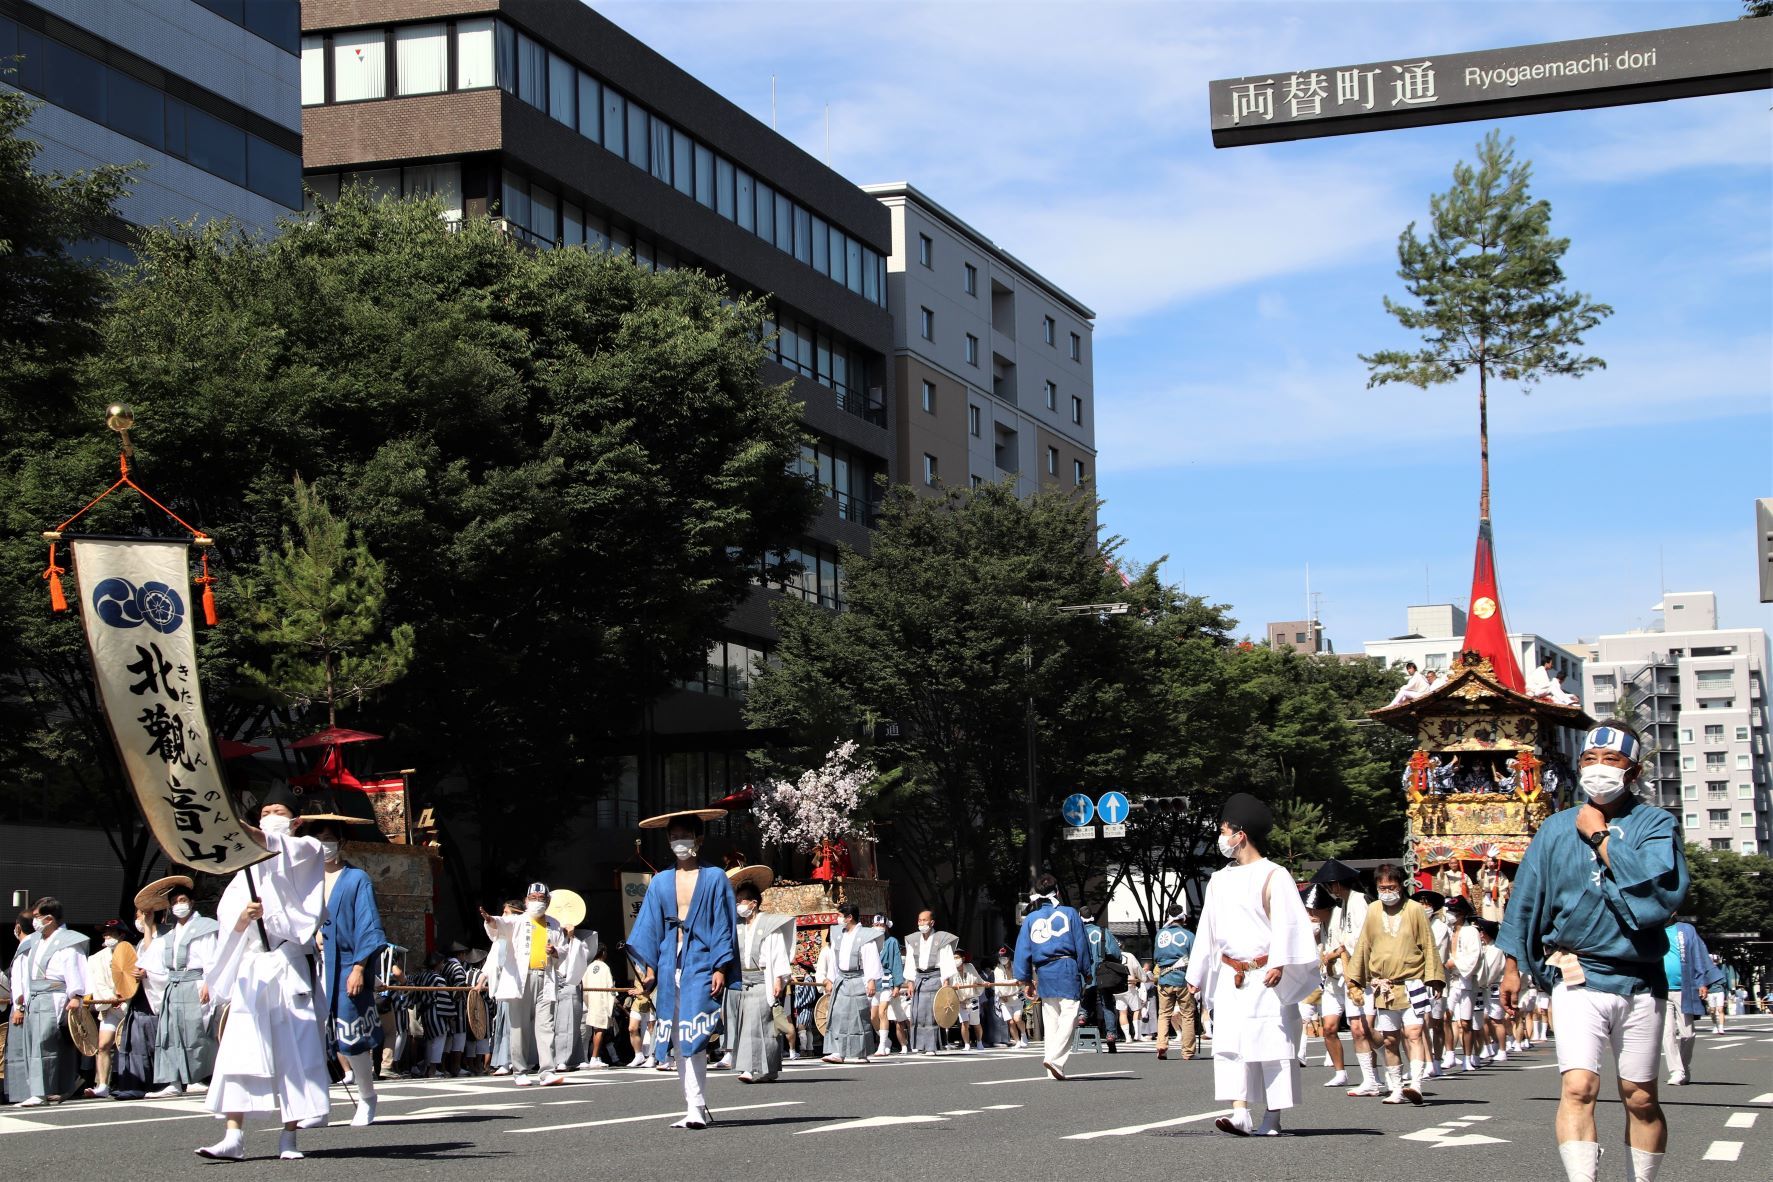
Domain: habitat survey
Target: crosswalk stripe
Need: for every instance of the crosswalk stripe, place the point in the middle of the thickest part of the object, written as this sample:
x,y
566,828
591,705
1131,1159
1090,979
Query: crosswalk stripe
x,y
1129,1130
1723,1151
1741,1120
625,1120
985,1083
871,1122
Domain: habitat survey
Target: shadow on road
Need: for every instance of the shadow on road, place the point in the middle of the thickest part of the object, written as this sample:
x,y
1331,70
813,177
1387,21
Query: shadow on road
x,y
422,1151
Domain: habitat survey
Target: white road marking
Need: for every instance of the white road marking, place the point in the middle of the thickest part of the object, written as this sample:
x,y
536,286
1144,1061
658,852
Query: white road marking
x,y
1763,1098
985,1083
1129,1130
625,1120
1441,1136
1724,1046
1539,1067
1741,1120
961,1112
873,1122
1000,1107
1723,1151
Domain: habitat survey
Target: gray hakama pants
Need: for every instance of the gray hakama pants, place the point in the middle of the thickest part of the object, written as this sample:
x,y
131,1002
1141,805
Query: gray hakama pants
x,y
51,1064
184,1049
569,1022
847,1036
757,1049
925,1034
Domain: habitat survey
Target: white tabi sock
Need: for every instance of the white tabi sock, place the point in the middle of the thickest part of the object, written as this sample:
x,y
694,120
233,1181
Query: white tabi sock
x,y
1418,1069
1365,1060
693,1071
1582,1160
232,1139
1394,1078
286,1146
1643,1166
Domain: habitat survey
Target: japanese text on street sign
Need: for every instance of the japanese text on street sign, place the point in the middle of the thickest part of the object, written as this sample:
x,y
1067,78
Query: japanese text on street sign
x,y
133,605
1078,809
1446,88
1080,833
1114,830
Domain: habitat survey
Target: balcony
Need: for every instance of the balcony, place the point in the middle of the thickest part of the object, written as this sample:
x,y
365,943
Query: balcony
x,y
857,509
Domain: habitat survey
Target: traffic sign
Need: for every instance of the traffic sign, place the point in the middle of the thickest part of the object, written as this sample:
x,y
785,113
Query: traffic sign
x,y
1079,832
1113,807
1114,830
1079,809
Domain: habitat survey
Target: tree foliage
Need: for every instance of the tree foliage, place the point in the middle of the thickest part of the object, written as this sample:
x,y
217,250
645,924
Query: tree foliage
x,y
570,467
317,605
1486,285
1733,893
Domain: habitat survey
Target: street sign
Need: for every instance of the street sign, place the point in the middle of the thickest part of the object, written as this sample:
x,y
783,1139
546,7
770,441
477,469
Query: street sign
x,y
1114,831
1079,832
1493,83
1113,807
1078,809
1737,936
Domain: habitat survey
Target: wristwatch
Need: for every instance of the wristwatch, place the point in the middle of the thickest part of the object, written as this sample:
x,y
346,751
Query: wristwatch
x,y
1595,839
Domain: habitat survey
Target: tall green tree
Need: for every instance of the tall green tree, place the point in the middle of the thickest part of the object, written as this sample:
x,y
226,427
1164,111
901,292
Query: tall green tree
x,y
1486,292
570,466
1731,902
317,606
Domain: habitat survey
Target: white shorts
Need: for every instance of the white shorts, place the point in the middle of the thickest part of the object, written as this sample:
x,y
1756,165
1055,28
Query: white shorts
x,y
1334,1000
1459,1003
111,1017
1009,1011
1128,1003
896,1010
1716,1001
1384,1020
1590,1022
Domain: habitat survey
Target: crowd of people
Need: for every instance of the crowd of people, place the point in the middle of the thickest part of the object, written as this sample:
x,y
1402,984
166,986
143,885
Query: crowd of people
x,y
292,987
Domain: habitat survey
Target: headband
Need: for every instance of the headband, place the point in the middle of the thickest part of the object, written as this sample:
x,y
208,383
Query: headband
x,y
538,888
1611,738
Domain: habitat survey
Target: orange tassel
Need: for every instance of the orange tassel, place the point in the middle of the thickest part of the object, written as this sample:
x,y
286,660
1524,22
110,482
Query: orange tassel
x,y
207,582
58,602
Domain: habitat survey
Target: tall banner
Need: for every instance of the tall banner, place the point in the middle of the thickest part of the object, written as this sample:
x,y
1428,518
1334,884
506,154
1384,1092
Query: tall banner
x,y
633,895
135,598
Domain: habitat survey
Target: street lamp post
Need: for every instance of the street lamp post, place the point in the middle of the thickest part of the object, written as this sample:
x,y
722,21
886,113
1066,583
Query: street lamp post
x,y
1035,825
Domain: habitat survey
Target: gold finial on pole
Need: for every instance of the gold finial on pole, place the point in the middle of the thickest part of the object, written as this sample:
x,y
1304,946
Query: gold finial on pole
x,y
119,418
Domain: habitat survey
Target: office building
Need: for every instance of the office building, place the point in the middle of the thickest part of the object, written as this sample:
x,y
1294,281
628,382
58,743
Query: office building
x,y
1305,636
573,134
1437,634
203,93
1698,694
992,362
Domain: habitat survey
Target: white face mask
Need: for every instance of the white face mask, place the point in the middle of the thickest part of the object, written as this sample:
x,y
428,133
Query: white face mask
x,y
1390,898
141,927
331,850
1227,846
683,849
276,824
926,928
747,910
1601,782
180,910
110,941
534,908
37,922
1003,960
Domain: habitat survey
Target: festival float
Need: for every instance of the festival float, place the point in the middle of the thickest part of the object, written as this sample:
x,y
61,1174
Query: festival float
x,y
1488,768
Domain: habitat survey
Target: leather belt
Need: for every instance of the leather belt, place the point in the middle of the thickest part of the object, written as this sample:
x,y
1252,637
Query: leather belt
x,y
1240,967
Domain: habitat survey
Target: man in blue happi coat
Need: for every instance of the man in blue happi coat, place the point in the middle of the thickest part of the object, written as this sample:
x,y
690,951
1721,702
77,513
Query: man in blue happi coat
x,y
1175,1004
351,943
1586,921
1692,975
685,937
1053,956
1110,978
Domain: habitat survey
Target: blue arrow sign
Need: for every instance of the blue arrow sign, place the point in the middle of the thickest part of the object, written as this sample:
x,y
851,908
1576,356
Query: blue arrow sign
x,y
1078,809
1113,807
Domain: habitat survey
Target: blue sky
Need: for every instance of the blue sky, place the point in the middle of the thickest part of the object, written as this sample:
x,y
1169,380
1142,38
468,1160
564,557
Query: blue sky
x,y
1235,287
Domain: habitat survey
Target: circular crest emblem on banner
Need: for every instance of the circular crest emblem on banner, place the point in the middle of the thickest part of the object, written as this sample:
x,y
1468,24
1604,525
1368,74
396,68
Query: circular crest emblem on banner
x,y
1484,608
122,604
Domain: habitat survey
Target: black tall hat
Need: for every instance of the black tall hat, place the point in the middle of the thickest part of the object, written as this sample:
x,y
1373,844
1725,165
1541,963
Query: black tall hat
x,y
1245,812
1333,871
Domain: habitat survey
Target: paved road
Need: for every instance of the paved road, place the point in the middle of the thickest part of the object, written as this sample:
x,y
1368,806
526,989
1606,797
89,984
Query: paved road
x,y
987,1115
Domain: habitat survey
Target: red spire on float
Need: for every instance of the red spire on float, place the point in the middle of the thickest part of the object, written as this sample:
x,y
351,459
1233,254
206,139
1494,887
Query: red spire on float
x,y
1484,630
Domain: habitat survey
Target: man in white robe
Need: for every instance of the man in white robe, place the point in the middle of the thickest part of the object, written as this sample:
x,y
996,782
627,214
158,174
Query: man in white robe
x,y
569,1019
534,942
1255,959
1415,686
1543,683
49,980
274,1048
184,1048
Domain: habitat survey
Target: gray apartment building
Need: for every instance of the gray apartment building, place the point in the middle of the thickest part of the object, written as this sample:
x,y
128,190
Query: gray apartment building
x,y
203,93
1700,693
992,362
548,117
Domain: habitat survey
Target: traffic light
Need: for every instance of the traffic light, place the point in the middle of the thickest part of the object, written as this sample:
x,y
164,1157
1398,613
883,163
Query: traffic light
x,y
1164,804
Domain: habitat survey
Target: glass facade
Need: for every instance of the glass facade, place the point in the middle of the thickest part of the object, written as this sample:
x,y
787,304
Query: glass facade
x,y
492,52
208,132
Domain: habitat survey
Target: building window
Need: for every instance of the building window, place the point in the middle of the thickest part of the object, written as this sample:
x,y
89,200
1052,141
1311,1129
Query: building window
x,y
1742,763
1076,347
1686,731
970,279
1051,392
313,71
972,349
1720,843
1714,732
1077,472
977,480
1692,820
1714,759
1052,461
926,250
926,324
929,397
974,421
1742,734
1691,792
1076,409
1049,332
1745,791
929,469
421,59
359,65
1688,763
